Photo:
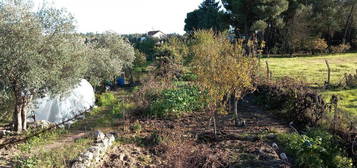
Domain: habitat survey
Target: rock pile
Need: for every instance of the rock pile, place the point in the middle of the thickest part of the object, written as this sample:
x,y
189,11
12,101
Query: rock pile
x,y
5,133
93,155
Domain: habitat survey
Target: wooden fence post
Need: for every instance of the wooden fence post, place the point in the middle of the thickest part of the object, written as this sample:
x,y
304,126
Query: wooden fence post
x,y
268,70
328,73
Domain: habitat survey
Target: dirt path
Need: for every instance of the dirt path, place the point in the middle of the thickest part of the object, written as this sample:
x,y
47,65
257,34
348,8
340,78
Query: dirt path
x,y
188,142
65,140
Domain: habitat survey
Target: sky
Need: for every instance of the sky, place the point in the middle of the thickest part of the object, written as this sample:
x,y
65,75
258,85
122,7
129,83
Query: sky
x,y
128,16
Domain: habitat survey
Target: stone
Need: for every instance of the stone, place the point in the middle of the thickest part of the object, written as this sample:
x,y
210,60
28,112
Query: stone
x,y
271,136
99,136
267,153
87,156
283,157
121,156
111,137
94,154
275,146
41,124
3,133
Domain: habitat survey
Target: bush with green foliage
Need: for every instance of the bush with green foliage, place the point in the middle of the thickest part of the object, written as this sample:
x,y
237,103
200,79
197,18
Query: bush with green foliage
x,y
175,102
107,99
117,110
188,77
316,149
170,58
30,162
140,58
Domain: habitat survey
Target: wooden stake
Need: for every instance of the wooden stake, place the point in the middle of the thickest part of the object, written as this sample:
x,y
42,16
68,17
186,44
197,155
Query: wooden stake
x,y
328,72
268,70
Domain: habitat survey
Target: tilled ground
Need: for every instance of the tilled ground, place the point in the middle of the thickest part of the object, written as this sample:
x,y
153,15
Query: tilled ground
x,y
189,142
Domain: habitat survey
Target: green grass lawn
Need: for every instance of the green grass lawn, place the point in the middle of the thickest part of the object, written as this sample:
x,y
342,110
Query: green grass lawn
x,y
348,100
312,69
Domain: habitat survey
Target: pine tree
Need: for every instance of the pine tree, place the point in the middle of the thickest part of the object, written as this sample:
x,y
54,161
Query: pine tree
x,y
208,16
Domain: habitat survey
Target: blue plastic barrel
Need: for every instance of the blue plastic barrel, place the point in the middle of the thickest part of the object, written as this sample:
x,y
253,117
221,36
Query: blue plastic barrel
x,y
121,81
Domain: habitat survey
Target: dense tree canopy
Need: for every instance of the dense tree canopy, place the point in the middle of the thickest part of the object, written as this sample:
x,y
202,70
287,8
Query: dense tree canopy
x,y
286,25
251,15
208,16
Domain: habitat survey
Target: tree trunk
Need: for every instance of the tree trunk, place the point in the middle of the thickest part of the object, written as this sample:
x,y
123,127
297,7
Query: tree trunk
x,y
17,116
131,78
235,110
348,24
24,110
215,124
20,111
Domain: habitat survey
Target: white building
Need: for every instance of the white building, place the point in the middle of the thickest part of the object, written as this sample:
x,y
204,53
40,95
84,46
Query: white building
x,y
157,34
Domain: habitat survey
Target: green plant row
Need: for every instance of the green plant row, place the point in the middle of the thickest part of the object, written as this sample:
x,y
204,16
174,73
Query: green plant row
x,y
176,102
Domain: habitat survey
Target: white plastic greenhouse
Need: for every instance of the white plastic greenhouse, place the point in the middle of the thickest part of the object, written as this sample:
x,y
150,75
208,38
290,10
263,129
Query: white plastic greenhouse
x,y
66,106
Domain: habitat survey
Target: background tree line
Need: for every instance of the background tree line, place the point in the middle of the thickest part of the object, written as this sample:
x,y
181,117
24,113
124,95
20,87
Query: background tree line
x,y
287,26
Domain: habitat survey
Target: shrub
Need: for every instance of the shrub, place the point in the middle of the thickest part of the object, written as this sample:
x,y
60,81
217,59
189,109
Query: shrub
x,y
315,149
150,91
188,77
136,127
107,99
340,48
30,162
170,57
175,102
140,58
117,110
292,100
223,68
351,80
319,45
154,139
110,101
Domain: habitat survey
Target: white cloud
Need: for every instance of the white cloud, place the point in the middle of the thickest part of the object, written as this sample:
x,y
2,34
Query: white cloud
x,y
129,16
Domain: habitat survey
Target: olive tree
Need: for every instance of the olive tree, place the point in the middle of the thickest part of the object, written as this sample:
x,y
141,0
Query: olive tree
x,y
221,68
39,53
110,55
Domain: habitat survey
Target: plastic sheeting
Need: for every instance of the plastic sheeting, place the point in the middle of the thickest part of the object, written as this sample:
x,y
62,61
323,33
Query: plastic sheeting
x,y
66,106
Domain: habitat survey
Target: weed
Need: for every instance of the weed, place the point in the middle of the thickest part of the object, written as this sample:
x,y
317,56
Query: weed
x,y
107,99
317,149
61,156
29,162
136,127
41,139
117,110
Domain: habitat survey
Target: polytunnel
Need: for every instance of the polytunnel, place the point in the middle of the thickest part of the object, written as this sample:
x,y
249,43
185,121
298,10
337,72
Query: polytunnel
x,y
65,106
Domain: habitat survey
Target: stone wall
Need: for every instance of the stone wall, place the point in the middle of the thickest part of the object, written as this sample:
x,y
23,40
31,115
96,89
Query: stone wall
x,y
93,155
